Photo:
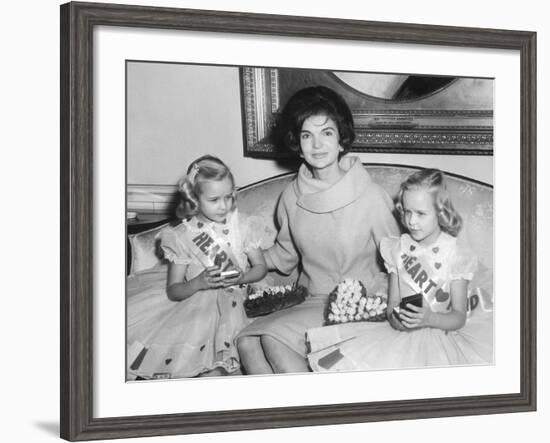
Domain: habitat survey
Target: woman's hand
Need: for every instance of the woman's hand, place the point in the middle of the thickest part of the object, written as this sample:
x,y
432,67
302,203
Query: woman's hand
x,y
210,278
415,317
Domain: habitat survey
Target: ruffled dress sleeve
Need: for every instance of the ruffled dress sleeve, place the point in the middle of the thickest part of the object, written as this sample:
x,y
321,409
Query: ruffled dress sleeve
x,y
256,234
172,247
388,246
463,264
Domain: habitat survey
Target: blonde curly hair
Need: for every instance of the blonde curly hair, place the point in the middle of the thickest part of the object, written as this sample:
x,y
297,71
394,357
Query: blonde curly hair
x,y
203,169
434,181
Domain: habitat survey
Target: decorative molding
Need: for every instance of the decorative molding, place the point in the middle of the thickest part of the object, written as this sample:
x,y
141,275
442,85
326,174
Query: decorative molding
x,y
274,83
369,138
428,112
249,93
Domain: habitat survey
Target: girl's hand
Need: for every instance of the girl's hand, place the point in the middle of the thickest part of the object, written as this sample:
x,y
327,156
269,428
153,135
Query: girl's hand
x,y
231,281
415,317
210,278
395,323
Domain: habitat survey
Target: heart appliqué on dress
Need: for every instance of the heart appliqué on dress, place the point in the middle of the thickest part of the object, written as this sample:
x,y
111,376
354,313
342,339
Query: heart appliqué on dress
x,y
441,295
413,247
435,250
200,224
437,265
226,231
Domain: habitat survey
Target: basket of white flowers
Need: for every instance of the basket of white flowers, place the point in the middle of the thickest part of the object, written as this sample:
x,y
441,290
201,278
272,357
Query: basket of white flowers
x,y
349,302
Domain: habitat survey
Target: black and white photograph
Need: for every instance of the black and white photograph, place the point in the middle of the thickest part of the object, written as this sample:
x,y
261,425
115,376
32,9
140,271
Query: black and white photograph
x,y
286,220
239,221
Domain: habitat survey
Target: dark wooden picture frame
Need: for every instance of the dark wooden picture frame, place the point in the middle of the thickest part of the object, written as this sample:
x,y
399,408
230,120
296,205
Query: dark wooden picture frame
x,y
77,218
387,126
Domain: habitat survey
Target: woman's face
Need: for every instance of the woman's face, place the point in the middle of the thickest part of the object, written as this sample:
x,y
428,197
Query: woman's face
x,y
320,142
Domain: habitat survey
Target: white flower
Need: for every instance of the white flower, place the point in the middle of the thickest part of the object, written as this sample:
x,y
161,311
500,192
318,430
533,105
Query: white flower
x,y
256,294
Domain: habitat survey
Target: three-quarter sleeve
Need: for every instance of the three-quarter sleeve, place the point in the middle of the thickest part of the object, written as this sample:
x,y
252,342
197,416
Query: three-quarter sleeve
x,y
283,253
172,248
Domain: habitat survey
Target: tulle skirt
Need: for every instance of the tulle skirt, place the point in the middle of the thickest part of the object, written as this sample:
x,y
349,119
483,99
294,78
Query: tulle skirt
x,y
167,339
376,345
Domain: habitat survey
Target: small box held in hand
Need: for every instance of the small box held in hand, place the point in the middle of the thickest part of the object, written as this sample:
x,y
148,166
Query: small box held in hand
x,y
229,274
415,299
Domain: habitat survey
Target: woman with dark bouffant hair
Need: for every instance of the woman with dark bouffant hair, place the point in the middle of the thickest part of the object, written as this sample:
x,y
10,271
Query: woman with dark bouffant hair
x,y
312,102
331,219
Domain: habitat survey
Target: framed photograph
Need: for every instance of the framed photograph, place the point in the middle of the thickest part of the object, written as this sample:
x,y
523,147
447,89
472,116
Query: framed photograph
x,y
145,91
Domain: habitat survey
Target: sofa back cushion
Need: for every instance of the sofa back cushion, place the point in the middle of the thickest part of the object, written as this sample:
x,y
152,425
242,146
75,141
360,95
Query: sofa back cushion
x,y
473,200
145,252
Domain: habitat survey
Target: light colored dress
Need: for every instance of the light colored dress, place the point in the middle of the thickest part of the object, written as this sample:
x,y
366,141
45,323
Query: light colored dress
x,y
331,232
430,271
170,339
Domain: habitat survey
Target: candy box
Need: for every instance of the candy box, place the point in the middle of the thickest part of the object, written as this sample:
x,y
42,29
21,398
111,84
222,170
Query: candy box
x,y
349,302
268,299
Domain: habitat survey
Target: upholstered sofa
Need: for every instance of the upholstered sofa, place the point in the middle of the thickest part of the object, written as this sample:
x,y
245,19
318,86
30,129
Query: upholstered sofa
x,y
472,199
